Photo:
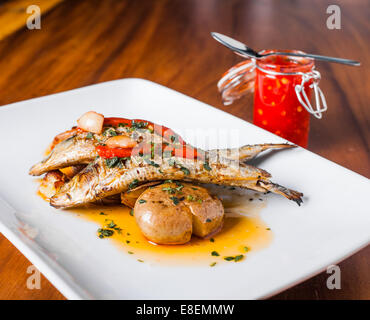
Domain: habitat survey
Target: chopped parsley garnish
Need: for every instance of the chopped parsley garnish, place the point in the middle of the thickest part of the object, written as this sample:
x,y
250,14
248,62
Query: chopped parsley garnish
x,y
122,124
173,138
118,229
102,214
235,259
89,135
142,201
213,264
127,241
103,233
212,240
215,253
175,200
132,212
133,184
246,249
178,189
130,252
139,125
189,197
209,220
229,258
140,260
109,132
185,170
151,162
111,224
154,164
112,162
268,229
169,190
206,166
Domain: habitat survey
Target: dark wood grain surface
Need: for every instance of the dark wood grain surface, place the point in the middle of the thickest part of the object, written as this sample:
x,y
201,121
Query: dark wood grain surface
x,y
91,41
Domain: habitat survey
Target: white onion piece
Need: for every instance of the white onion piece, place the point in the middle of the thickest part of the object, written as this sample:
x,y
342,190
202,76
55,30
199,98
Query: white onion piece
x,y
91,121
120,142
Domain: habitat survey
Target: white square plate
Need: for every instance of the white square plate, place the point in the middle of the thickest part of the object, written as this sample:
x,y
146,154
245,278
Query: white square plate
x,y
332,223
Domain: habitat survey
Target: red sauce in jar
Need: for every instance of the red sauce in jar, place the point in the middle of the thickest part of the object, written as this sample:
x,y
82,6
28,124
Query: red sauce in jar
x,y
276,106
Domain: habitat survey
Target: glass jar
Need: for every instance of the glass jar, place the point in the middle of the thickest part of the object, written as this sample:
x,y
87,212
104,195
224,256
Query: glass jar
x,y
282,89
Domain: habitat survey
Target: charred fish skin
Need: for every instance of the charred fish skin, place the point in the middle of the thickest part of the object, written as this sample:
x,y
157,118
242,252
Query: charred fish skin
x,y
72,151
98,181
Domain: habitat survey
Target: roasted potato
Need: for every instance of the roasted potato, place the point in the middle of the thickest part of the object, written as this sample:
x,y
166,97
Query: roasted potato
x,y
170,213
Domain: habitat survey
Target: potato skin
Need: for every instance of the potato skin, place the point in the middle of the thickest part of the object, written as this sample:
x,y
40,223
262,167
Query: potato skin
x,y
165,222
160,220
208,217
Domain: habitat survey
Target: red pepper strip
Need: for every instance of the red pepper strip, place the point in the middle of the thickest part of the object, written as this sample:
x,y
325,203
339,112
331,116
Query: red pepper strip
x,y
108,153
182,151
160,130
114,122
187,152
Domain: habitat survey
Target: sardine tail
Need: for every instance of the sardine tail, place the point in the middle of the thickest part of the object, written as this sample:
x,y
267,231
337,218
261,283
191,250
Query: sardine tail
x,y
287,193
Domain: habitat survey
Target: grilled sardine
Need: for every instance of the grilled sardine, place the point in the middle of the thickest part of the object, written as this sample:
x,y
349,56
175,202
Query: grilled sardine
x,y
98,180
81,149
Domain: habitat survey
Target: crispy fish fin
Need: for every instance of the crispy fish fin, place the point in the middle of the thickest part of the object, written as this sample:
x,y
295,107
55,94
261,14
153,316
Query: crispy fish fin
x,y
249,152
287,193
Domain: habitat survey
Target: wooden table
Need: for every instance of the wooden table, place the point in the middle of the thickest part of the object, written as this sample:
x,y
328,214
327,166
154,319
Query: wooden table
x,y
86,42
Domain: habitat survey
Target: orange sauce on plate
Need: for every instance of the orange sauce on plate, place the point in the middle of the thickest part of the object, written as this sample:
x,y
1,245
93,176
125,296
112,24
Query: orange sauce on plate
x,y
243,231
241,234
